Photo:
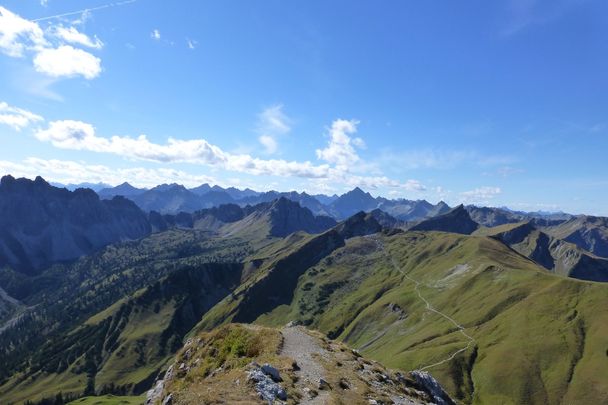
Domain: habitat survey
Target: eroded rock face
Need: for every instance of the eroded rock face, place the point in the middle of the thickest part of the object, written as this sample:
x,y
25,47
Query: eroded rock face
x,y
430,385
46,224
156,393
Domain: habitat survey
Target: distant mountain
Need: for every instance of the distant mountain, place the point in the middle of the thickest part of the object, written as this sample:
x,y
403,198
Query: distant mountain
x,y
168,199
238,194
325,199
279,218
456,220
554,254
490,216
49,224
215,198
587,232
73,186
202,189
305,200
409,210
124,189
352,202
173,198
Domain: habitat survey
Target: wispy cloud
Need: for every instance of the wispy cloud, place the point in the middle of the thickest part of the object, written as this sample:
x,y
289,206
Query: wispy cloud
x,y
427,158
522,14
155,34
17,118
439,159
272,124
73,36
72,172
191,43
85,10
480,195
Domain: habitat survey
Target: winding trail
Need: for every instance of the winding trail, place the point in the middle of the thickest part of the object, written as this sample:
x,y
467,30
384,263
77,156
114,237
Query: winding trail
x,y
303,348
430,307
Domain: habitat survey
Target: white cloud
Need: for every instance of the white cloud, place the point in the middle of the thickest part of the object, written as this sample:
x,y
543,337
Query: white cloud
x,y
17,118
270,144
480,195
155,35
414,185
272,124
340,150
191,43
67,172
79,135
20,38
273,120
67,61
73,36
18,34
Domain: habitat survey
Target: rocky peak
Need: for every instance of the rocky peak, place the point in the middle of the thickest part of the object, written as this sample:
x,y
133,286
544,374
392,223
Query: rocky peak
x,y
360,224
456,220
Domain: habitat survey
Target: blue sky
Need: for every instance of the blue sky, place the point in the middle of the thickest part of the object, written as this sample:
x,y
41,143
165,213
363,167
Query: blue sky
x,y
494,103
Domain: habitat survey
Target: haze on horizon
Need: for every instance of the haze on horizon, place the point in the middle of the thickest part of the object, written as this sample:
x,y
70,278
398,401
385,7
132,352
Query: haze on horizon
x,y
490,103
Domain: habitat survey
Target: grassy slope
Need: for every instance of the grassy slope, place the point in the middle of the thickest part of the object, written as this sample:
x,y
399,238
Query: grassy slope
x,y
109,400
540,338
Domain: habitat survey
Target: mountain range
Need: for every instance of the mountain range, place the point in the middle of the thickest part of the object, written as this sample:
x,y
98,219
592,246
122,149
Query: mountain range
x,y
99,296
175,198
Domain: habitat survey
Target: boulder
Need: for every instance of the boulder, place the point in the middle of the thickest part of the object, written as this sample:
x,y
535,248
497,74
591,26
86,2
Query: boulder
x,y
272,372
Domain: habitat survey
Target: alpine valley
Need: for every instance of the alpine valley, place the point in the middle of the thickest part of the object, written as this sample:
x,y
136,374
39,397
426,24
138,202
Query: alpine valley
x,y
172,295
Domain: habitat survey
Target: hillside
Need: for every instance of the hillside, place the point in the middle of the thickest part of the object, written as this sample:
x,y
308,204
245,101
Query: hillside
x,y
554,254
450,304
587,232
250,364
87,321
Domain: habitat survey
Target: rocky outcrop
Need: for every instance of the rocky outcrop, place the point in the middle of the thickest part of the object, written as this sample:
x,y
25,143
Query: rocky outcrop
x,y
430,385
266,380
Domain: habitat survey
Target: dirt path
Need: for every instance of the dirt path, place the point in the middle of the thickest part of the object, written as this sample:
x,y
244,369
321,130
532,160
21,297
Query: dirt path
x,y
430,307
305,349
